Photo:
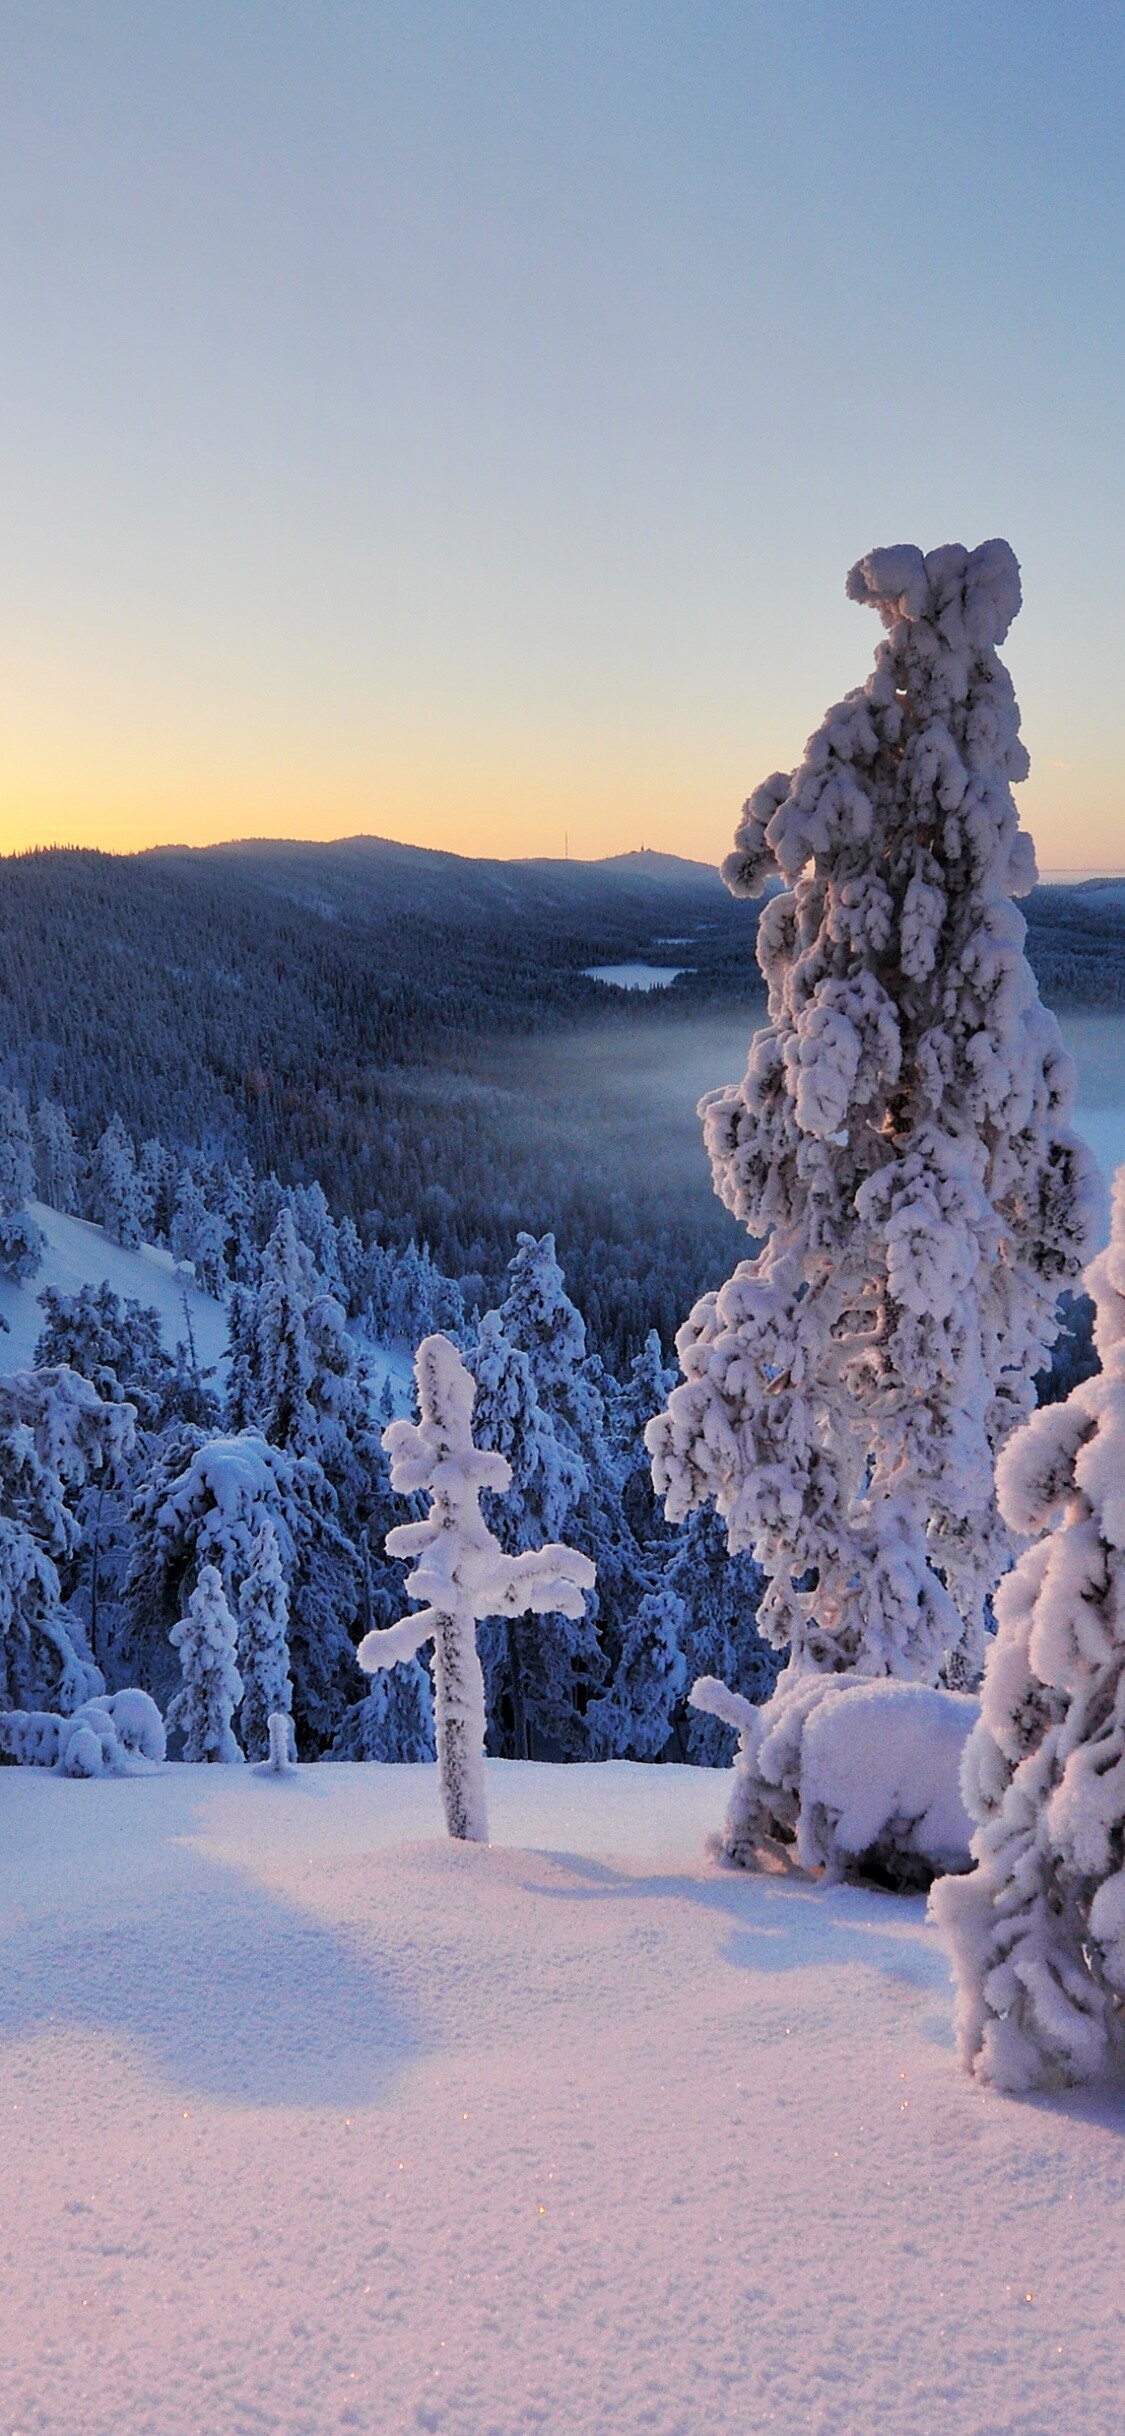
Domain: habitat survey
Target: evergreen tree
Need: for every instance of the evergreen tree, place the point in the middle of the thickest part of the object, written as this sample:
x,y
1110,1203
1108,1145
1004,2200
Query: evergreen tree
x,y
263,1644
1038,1929
117,1191
204,1501
395,1720
530,1667
56,1436
720,1594
271,1365
56,1157
203,1708
21,1242
198,1236
901,1147
157,1177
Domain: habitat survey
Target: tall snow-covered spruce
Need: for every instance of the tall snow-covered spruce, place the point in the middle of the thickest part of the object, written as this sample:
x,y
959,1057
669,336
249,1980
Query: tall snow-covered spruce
x,y
1038,1929
461,1572
206,1637
900,1146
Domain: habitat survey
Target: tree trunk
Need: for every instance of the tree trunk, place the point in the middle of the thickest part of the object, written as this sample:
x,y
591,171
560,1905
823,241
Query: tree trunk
x,y
459,1728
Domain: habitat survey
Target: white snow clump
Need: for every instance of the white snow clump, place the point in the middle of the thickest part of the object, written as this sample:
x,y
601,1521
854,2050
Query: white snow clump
x,y
846,1775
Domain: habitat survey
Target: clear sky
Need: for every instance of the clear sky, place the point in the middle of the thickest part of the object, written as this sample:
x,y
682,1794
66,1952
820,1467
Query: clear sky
x,y
454,420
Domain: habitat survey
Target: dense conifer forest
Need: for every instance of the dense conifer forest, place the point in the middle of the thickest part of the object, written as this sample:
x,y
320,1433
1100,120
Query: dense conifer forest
x,y
392,1023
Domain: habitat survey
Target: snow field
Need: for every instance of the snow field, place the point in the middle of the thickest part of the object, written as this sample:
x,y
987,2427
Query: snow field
x,y
315,2121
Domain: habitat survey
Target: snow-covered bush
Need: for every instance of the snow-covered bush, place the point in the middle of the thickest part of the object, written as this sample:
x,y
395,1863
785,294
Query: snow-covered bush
x,y
117,1734
204,1706
852,1776
901,1146
1038,1930
461,1572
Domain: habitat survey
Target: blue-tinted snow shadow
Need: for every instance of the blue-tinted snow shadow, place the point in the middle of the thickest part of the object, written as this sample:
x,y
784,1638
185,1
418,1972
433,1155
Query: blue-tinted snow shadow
x,y
782,1924
232,1993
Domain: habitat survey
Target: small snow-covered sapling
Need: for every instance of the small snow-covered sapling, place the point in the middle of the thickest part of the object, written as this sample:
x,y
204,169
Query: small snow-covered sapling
x,y
281,1761
204,1706
462,1573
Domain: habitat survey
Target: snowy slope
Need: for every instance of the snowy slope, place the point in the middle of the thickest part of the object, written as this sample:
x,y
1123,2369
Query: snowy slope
x,y
314,2122
78,1255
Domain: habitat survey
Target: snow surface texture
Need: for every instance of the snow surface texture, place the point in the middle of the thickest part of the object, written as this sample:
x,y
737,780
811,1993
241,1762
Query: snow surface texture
x,y
462,1572
902,1142
1038,1930
315,2122
848,1773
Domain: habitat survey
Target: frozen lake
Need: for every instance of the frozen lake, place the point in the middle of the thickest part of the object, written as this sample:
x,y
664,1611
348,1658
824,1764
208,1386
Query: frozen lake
x,y
636,976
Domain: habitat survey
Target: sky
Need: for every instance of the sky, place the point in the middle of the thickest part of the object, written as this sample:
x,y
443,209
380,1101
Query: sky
x,y
454,421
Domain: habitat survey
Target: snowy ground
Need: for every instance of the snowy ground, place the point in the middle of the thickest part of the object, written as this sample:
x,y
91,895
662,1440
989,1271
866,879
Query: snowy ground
x,y
314,2122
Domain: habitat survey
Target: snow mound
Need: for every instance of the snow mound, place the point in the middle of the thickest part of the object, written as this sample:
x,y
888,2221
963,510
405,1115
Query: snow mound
x,y
117,1734
857,1778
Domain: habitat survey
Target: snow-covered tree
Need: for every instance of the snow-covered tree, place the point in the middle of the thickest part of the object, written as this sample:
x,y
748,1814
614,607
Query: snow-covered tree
x,y
634,1718
418,1298
263,1642
198,1236
56,1157
157,1178
395,1720
1038,1929
901,1147
719,1595
530,1670
117,1190
205,1501
115,1344
461,1572
56,1435
17,1162
539,1317
21,1241
204,1706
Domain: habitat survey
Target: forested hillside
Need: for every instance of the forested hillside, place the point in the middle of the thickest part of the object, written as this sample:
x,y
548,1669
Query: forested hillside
x,y
367,1015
